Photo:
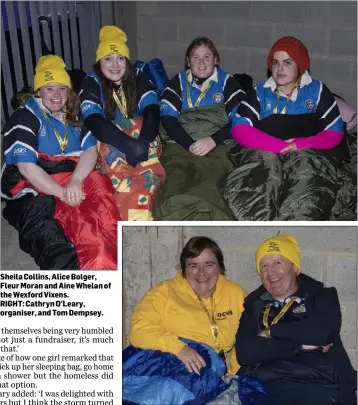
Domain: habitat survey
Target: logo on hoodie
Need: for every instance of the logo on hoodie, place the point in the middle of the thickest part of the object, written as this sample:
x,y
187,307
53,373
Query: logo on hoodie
x,y
220,316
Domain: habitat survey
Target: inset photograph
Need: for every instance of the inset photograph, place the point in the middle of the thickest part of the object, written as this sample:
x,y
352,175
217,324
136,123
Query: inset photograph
x,y
235,315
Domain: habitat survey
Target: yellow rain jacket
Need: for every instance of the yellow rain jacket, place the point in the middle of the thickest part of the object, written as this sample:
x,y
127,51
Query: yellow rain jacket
x,y
171,310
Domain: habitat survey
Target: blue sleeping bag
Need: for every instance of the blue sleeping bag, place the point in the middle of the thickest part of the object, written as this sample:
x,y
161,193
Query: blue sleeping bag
x,y
152,377
155,71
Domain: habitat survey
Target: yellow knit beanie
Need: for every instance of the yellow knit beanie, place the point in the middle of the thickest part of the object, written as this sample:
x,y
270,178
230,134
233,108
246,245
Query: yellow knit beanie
x,y
112,40
285,245
51,69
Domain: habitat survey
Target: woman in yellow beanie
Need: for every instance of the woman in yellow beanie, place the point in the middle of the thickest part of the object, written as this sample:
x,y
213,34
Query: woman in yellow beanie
x,y
54,197
121,109
289,332
289,133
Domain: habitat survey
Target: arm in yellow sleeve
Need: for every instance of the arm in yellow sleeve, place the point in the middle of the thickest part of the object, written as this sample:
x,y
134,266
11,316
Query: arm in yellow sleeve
x,y
147,330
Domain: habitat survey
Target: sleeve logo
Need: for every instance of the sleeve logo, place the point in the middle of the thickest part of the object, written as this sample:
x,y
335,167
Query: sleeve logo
x,y
20,151
43,131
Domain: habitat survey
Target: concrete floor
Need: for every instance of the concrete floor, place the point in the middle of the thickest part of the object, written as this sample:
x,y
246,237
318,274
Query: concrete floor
x,y
12,257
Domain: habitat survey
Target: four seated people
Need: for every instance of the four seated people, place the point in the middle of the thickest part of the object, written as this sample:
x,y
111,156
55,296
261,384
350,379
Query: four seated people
x,y
289,133
289,136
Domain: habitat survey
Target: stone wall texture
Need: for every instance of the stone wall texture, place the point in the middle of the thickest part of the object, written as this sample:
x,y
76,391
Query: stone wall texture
x,y
329,254
244,31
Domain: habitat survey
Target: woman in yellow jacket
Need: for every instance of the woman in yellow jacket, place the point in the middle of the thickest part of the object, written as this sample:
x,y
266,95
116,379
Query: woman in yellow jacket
x,y
199,303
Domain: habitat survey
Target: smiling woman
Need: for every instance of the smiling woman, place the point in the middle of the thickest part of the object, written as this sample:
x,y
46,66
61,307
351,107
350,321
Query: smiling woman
x,y
202,273
202,261
196,112
187,306
114,67
191,321
54,197
121,109
290,143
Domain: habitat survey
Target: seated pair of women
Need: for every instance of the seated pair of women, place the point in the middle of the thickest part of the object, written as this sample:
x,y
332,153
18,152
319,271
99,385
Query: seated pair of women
x,y
45,142
289,134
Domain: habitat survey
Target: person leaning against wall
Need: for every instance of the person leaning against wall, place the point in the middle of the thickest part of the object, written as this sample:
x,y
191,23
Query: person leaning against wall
x,y
289,332
121,109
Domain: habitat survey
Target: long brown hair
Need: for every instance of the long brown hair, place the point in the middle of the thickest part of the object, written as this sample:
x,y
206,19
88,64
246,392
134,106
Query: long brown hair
x,y
129,89
73,109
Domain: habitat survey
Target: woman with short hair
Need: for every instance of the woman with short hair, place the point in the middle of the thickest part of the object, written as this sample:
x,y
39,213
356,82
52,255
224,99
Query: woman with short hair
x,y
201,290
186,329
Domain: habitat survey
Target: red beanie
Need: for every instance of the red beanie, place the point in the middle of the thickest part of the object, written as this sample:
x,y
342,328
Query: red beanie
x,y
295,48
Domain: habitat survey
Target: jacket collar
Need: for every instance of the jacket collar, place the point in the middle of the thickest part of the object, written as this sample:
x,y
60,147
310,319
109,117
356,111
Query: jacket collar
x,y
300,292
306,285
212,78
305,80
41,106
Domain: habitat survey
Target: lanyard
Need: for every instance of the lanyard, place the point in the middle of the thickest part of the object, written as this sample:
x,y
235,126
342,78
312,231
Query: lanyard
x,y
277,91
279,315
214,327
122,105
188,98
62,142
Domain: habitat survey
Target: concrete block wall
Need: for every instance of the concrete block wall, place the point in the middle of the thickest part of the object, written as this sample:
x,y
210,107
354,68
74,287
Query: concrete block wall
x,y
244,31
329,254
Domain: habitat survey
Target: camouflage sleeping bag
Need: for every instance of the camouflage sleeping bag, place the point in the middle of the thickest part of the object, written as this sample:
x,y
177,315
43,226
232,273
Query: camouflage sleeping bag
x,y
345,207
191,191
302,185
